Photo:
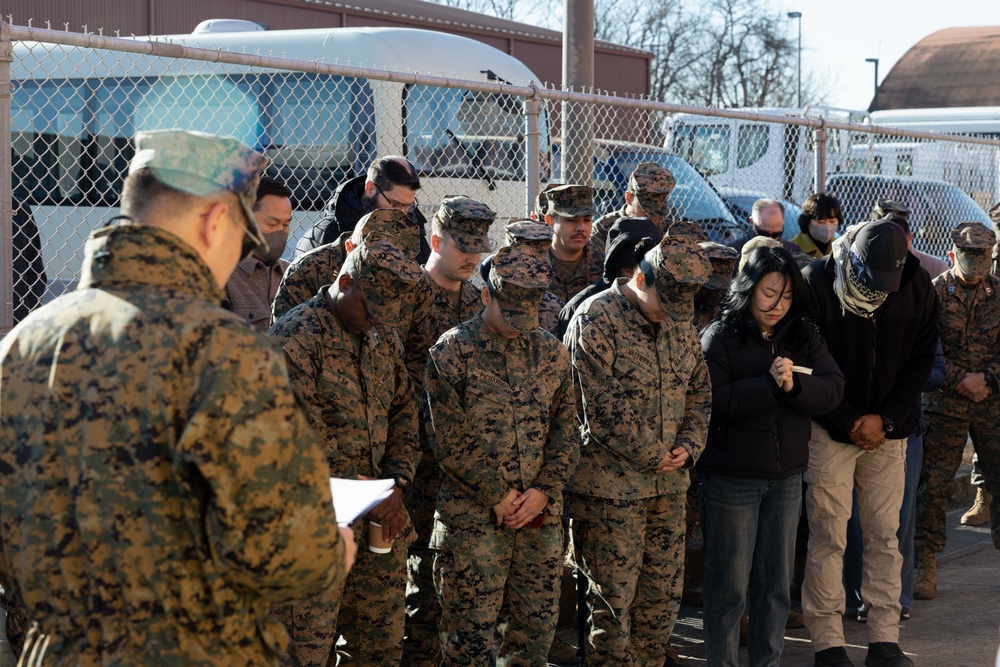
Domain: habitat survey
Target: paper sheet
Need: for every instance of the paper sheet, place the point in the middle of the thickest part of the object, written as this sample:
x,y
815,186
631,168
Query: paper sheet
x,y
355,497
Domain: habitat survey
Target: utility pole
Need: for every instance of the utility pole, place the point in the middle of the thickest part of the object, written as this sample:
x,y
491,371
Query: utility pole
x,y
577,152
798,69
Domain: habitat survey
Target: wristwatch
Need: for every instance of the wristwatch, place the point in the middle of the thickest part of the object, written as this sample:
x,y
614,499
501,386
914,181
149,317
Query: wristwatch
x,y
887,424
402,481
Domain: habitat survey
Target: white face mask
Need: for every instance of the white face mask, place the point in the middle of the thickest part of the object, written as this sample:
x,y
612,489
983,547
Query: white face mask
x,y
822,232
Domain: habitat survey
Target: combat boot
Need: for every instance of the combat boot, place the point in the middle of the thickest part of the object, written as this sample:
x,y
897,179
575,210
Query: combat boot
x,y
979,513
925,578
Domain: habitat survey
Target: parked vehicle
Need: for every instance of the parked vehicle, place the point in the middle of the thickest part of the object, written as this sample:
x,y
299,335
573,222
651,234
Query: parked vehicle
x,y
75,110
693,198
936,207
740,203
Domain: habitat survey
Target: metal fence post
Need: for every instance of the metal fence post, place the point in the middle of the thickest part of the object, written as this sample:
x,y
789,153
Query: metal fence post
x,y
578,74
532,151
820,135
6,203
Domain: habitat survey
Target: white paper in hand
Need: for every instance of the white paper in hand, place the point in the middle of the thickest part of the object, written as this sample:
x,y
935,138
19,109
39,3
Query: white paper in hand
x,y
356,497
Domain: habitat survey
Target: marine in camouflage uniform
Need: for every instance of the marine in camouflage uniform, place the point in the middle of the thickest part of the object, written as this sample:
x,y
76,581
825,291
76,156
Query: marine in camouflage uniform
x,y
644,399
649,188
161,485
968,404
502,426
361,404
571,206
459,235
708,299
306,275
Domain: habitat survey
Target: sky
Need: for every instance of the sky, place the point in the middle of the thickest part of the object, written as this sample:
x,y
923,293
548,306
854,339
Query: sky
x,y
837,36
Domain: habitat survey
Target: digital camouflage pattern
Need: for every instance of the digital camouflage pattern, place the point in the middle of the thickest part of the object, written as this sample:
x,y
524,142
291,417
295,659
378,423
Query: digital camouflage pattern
x,y
681,268
440,311
518,278
390,222
970,337
303,277
467,221
889,208
202,164
618,544
652,184
500,416
708,299
362,407
162,486
538,237
568,282
571,201
642,390
389,277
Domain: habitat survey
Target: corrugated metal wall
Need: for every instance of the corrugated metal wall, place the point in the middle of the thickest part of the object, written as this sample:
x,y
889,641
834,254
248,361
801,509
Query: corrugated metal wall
x,y
627,73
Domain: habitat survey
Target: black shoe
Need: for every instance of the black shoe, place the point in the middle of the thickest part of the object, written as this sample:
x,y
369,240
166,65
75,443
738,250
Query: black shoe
x,y
905,613
886,654
862,614
835,656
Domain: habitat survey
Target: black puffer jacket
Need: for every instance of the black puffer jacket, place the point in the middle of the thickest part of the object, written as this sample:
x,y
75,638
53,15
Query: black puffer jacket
x,y
758,430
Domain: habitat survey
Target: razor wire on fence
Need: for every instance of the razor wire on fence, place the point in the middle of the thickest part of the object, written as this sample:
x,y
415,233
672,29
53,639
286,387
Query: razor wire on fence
x,y
77,100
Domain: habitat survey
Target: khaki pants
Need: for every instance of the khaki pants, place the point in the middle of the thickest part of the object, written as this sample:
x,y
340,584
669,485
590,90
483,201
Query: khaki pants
x,y
835,469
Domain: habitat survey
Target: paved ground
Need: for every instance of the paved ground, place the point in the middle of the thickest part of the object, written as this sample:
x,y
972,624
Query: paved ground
x,y
959,628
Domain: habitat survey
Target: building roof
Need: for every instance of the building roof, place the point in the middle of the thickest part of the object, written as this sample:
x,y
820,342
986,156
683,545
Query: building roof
x,y
422,13
954,67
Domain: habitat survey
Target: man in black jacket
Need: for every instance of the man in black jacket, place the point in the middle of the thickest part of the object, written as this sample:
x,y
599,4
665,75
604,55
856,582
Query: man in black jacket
x,y
878,312
391,182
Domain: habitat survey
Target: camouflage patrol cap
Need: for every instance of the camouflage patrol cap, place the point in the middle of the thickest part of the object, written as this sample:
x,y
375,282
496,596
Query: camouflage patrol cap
x,y
681,269
389,222
518,279
542,200
687,228
467,221
536,236
972,236
202,164
570,201
973,248
652,183
387,273
888,208
722,258
995,218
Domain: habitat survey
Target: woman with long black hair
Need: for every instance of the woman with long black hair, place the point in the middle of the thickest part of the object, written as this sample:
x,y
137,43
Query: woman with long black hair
x,y
770,372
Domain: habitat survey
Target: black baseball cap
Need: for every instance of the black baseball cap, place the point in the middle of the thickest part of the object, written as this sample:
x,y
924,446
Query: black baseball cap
x,y
881,248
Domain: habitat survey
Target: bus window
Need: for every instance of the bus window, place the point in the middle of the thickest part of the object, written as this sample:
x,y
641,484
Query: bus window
x,y
320,131
465,134
206,103
47,124
704,146
751,144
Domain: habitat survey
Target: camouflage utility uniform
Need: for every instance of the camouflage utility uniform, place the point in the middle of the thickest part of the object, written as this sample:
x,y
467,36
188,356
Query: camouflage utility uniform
x,y
642,390
467,222
570,278
362,406
161,486
970,337
501,418
307,274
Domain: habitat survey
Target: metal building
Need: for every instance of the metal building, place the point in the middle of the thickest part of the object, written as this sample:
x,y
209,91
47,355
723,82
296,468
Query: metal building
x,y
617,68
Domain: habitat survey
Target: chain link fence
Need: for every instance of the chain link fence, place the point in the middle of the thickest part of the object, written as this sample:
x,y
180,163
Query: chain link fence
x,y
475,124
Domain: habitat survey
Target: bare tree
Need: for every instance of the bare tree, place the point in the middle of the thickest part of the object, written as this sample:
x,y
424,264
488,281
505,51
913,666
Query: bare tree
x,y
707,52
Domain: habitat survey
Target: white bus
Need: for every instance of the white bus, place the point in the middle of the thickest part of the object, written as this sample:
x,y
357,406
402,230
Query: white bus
x,y
74,111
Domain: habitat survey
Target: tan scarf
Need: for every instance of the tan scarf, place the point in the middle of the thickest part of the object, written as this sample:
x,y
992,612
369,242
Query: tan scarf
x,y
853,294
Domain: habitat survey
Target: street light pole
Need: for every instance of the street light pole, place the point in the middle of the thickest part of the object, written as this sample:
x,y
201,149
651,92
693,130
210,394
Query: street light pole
x,y
798,69
874,101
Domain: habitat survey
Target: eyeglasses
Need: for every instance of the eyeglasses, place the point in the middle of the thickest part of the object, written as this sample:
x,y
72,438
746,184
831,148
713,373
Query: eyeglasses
x,y
398,205
771,235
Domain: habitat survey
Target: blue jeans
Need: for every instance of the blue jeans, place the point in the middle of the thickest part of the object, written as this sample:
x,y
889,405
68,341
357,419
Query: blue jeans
x,y
749,529
907,518
908,514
